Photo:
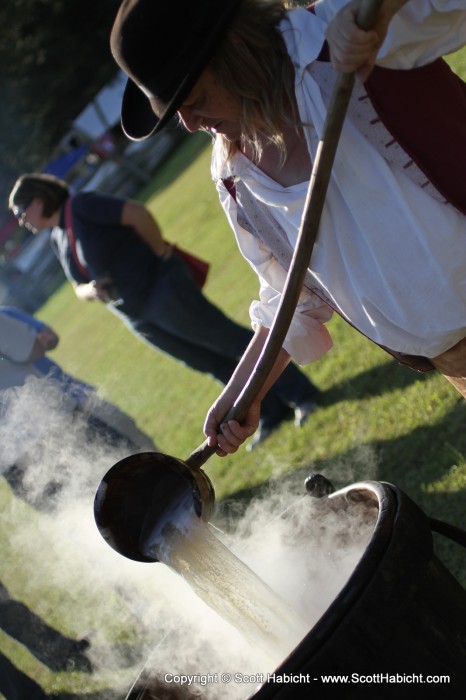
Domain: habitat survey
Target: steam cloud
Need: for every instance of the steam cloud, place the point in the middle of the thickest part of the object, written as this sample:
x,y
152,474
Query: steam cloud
x,y
130,611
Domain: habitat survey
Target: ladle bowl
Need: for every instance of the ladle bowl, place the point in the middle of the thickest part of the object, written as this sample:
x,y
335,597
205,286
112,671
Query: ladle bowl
x,y
142,496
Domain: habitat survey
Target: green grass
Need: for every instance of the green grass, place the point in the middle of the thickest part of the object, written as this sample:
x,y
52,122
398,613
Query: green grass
x,y
378,421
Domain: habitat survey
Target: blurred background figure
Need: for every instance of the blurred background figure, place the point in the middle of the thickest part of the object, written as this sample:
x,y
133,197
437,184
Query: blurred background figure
x,y
112,249
24,342
20,331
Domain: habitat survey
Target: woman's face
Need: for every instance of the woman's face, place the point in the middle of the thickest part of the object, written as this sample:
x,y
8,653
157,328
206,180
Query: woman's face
x,y
211,106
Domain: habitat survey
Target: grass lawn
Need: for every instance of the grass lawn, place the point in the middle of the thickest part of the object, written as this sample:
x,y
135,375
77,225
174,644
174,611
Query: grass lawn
x,y
378,421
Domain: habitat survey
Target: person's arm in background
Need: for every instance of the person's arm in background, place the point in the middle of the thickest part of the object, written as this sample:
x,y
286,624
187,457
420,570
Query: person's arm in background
x,y
40,346
47,338
135,215
21,342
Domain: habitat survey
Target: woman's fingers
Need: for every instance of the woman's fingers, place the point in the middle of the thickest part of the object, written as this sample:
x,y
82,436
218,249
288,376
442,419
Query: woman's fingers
x,y
351,48
230,435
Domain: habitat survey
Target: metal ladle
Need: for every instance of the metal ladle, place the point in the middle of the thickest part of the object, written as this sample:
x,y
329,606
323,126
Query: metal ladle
x,y
137,494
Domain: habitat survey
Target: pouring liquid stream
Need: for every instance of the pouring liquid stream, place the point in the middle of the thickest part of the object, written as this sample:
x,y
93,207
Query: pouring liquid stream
x,y
230,587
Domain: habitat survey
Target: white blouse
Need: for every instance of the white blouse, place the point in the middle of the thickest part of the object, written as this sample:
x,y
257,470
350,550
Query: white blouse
x,y
389,256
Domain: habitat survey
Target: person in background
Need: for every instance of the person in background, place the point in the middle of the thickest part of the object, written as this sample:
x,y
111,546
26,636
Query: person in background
x,y
390,256
51,396
112,249
24,344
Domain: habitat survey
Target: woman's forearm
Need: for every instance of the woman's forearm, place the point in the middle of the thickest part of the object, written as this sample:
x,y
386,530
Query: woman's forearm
x,y
248,362
229,435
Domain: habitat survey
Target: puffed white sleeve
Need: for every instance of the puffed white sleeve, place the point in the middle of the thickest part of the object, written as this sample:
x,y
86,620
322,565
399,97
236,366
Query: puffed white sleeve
x,y
308,338
420,32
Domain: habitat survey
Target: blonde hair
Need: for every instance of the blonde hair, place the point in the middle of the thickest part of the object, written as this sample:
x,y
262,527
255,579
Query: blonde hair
x,y
254,65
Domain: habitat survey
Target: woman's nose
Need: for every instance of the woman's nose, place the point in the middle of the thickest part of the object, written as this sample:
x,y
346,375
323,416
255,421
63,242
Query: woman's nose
x,y
191,121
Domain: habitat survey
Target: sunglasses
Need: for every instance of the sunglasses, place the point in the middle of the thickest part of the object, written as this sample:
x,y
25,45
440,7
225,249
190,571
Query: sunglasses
x,y
19,212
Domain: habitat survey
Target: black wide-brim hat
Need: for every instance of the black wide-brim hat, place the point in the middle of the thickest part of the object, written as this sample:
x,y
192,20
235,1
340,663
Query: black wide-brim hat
x,y
164,45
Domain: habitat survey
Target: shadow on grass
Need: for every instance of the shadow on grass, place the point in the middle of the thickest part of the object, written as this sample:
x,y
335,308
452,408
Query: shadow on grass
x,y
432,449
388,376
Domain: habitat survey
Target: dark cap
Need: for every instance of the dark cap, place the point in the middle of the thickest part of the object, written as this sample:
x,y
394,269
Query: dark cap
x,y
164,45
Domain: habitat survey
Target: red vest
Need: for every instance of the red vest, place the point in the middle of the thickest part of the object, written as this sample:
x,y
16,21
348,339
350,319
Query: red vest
x,y
424,109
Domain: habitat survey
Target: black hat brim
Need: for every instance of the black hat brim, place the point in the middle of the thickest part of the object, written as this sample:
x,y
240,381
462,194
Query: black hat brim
x,y
138,119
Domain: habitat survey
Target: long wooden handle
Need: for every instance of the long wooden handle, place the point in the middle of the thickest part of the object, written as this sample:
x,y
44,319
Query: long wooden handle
x,y
320,176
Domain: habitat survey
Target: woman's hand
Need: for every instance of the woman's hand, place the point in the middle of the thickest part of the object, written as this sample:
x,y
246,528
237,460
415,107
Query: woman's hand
x,y
353,49
229,436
